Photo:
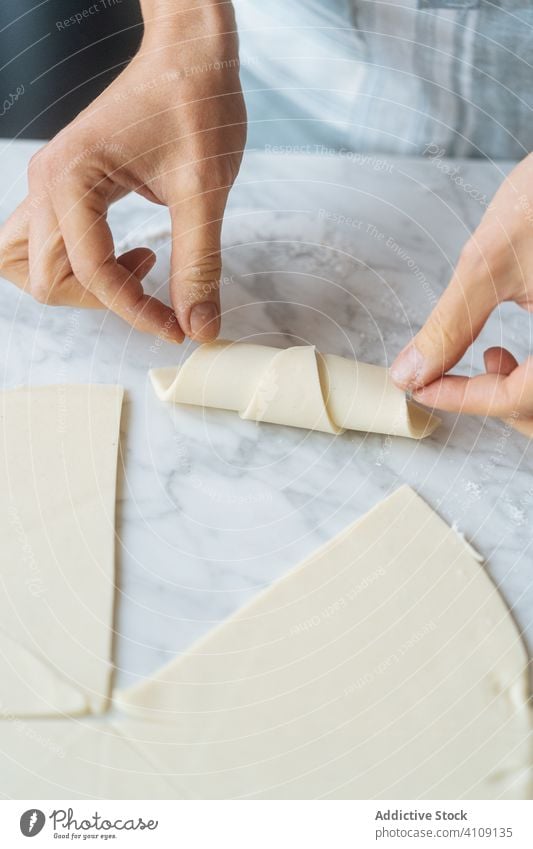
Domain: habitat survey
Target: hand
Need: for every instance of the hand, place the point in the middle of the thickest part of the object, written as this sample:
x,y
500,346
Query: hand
x,y
496,265
171,127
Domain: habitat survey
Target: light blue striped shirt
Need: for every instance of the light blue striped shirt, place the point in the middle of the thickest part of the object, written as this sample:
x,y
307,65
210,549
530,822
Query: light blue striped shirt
x,y
392,77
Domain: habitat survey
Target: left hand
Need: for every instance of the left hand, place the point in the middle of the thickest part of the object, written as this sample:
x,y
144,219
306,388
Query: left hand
x,y
496,265
170,127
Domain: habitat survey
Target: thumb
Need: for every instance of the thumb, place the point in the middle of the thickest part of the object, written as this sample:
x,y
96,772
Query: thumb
x,y
196,263
454,323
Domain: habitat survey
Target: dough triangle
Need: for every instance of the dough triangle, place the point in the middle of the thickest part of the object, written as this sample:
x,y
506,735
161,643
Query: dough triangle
x,y
385,666
30,687
57,524
69,759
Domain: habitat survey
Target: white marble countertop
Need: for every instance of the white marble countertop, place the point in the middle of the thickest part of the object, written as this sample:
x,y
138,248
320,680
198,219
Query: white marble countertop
x,y
344,252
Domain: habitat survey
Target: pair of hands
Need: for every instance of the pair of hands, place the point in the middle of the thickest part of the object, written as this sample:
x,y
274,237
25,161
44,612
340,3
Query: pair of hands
x,y
172,127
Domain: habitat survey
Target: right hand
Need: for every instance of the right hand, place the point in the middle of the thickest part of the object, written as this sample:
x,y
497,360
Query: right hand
x,y
495,266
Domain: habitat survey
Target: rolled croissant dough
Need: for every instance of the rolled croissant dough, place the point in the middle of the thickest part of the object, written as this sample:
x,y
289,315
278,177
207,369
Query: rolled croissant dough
x,y
57,530
297,386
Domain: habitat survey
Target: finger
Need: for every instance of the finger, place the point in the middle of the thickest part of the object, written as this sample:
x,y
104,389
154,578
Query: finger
x,y
499,361
14,246
15,262
50,274
505,395
474,395
196,263
522,425
449,331
138,261
89,244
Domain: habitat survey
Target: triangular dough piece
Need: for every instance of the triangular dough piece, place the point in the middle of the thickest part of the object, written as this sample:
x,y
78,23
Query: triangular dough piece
x,y
33,688
50,759
57,529
27,746
385,666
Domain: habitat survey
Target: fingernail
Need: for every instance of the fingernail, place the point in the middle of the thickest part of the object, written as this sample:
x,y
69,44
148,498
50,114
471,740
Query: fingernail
x,y
204,319
408,368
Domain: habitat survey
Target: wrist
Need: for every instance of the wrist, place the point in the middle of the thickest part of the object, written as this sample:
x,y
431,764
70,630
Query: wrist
x,y
172,23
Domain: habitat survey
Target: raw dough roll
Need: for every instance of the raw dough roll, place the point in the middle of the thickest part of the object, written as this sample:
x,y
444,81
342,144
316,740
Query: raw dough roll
x,y
298,387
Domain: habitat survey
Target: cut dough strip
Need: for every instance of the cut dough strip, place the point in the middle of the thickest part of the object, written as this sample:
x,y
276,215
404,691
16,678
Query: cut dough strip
x,y
58,459
297,386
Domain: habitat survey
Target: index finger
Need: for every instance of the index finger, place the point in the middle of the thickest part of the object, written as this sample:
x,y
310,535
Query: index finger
x,y
14,245
496,394
81,215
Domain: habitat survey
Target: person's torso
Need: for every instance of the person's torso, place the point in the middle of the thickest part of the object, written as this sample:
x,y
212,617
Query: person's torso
x,y
392,76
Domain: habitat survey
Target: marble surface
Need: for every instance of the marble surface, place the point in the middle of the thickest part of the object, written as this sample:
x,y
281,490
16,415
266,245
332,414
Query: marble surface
x,y
345,252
